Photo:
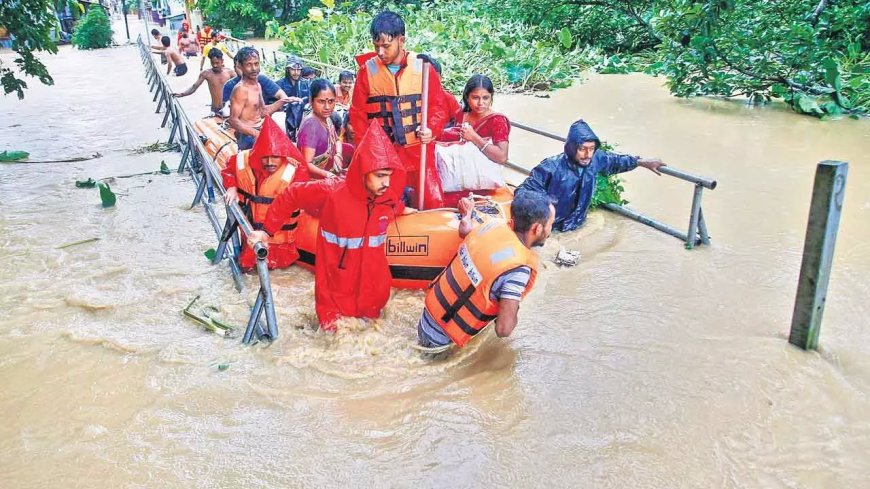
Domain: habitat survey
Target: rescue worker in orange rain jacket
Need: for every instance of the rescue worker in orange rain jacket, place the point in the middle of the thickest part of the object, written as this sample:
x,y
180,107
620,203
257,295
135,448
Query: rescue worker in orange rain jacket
x,y
389,90
254,177
351,273
493,270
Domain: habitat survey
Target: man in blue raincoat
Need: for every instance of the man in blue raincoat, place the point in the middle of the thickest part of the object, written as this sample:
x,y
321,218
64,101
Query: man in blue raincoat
x,y
569,178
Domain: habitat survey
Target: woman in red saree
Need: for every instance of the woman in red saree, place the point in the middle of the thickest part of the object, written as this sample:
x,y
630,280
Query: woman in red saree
x,y
478,124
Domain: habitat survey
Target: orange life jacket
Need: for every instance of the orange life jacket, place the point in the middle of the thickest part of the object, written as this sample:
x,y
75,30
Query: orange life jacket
x,y
258,197
396,99
459,299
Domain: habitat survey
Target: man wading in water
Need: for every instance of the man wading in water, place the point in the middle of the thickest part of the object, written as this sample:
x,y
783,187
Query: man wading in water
x,y
173,57
247,109
216,77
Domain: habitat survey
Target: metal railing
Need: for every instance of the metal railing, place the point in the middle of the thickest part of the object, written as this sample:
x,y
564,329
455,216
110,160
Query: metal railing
x,y
697,232
202,169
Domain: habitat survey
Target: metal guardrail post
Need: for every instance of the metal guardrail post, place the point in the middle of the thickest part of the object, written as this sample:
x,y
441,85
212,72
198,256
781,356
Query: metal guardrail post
x,y
829,189
205,175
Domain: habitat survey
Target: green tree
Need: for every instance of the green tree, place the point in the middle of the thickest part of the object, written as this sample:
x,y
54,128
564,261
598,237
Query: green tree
x,y
812,54
94,31
30,22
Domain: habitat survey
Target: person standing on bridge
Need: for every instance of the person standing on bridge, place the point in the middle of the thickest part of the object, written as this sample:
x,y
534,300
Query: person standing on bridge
x,y
216,77
569,178
388,90
351,274
247,108
294,86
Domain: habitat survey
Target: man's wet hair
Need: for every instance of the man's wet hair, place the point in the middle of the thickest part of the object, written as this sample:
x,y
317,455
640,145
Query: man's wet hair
x,y
530,207
387,23
165,41
320,84
155,32
475,82
215,54
245,54
345,75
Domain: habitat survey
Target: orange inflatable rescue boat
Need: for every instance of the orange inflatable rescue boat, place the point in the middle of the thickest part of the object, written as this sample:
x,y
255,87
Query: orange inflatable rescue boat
x,y
419,246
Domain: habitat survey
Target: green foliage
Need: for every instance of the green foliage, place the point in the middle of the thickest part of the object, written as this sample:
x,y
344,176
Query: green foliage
x,y
815,60
465,38
9,156
608,190
106,195
89,183
94,31
239,16
30,22
610,25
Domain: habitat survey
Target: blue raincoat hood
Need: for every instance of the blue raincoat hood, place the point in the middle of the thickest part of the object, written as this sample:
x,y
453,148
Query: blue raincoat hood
x,y
579,133
570,184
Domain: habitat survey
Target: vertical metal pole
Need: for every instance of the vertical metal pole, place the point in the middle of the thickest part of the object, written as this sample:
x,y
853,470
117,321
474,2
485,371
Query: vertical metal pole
x,y
702,228
824,221
266,291
199,190
184,155
256,313
692,235
124,13
160,103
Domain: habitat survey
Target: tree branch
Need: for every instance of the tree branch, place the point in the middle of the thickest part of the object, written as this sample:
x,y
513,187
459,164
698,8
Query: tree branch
x,y
814,19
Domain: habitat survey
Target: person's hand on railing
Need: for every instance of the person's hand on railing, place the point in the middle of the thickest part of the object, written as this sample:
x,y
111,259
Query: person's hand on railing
x,y
231,196
651,164
258,237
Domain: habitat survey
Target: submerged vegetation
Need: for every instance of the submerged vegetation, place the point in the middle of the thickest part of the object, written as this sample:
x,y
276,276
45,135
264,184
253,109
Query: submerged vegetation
x,y
465,37
814,55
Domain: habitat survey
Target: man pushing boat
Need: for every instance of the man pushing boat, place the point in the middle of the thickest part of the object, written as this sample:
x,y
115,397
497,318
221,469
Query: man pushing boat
x,y
351,273
254,177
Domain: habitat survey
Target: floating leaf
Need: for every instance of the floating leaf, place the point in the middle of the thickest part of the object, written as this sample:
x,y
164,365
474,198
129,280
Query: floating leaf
x,y
210,254
106,194
89,183
164,169
7,156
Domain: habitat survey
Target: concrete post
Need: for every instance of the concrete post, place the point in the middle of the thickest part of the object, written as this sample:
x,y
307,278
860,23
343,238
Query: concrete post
x,y
827,202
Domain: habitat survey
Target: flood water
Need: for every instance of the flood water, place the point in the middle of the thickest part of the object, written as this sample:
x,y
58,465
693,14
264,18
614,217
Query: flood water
x,y
645,366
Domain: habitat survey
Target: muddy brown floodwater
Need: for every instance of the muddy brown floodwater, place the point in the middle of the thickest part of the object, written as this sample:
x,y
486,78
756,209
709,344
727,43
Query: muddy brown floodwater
x,y
645,366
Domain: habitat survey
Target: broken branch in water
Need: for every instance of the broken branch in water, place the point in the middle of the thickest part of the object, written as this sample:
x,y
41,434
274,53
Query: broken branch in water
x,y
68,160
76,243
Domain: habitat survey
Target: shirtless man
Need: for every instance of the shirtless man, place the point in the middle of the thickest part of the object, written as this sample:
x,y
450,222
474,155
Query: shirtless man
x,y
216,77
173,58
247,108
158,47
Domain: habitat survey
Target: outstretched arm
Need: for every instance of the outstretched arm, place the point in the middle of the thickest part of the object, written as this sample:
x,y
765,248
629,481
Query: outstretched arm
x,y
651,164
193,87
